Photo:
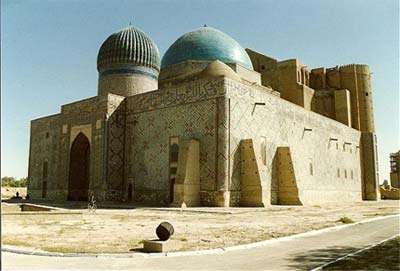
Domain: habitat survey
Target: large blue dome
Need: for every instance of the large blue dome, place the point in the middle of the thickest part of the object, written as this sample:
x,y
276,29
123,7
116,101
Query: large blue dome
x,y
208,44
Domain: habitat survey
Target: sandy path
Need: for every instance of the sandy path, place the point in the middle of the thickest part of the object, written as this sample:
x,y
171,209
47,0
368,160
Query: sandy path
x,y
123,230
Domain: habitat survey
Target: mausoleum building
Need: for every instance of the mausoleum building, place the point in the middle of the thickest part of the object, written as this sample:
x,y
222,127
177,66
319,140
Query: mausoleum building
x,y
211,124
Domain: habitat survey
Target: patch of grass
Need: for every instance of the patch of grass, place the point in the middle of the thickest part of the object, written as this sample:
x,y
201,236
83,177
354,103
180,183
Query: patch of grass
x,y
64,249
374,214
131,243
72,249
121,218
346,220
14,242
140,242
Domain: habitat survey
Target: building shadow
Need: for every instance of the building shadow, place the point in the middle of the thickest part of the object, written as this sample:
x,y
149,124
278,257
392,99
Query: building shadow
x,y
315,258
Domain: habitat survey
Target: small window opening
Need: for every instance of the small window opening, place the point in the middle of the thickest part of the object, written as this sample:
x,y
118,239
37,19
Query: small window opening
x,y
45,170
338,173
264,150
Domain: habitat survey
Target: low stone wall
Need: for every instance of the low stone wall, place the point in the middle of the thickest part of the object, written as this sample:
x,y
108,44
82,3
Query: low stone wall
x,y
34,207
390,193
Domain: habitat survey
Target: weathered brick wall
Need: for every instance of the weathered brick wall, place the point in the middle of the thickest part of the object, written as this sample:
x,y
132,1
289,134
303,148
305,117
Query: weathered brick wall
x,y
370,169
86,116
314,141
126,84
129,144
115,149
194,110
44,148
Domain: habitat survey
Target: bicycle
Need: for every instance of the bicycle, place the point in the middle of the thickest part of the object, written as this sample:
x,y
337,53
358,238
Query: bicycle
x,y
92,207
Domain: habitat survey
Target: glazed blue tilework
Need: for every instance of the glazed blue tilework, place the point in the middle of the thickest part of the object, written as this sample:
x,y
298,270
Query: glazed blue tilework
x,y
206,43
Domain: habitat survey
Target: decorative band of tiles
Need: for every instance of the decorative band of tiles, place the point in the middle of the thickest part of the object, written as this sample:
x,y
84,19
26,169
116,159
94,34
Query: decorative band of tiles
x,y
134,70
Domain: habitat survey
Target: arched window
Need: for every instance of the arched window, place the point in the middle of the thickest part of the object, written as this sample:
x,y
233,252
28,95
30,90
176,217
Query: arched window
x,y
174,151
173,164
45,170
44,178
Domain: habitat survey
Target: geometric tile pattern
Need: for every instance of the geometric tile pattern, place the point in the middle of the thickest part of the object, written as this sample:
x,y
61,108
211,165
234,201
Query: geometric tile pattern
x,y
151,134
115,149
194,111
185,93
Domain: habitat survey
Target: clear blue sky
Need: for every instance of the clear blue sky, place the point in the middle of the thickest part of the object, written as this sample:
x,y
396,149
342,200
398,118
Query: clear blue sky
x,y
49,50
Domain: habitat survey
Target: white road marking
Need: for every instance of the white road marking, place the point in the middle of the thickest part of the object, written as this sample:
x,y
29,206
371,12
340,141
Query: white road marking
x,y
354,253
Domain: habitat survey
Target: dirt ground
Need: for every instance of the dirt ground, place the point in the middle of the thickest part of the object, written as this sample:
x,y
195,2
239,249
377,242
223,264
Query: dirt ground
x,y
111,230
8,192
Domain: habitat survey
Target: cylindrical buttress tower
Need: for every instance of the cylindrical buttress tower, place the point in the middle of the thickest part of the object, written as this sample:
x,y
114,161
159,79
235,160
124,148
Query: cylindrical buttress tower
x,y
365,98
357,79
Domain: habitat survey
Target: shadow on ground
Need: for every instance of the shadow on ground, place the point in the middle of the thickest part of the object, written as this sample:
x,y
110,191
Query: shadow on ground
x,y
385,256
315,258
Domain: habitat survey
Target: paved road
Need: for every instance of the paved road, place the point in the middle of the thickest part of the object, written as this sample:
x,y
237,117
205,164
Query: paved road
x,y
299,253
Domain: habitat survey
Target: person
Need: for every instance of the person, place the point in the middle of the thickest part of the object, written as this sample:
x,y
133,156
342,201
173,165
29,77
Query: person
x,y
27,197
17,194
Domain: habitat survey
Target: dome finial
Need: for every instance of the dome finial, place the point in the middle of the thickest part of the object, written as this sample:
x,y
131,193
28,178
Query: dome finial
x,y
205,25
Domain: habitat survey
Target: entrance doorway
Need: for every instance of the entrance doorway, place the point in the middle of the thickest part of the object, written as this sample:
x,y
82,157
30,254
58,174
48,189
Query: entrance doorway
x,y
79,165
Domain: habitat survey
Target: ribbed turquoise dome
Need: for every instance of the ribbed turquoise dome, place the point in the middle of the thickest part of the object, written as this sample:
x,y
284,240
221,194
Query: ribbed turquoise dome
x,y
208,44
129,47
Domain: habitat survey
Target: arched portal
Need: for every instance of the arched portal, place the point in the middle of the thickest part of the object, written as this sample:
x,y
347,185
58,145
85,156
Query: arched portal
x,y
79,166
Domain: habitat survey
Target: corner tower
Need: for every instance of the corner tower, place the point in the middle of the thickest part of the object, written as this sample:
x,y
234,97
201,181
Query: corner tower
x,y
357,79
128,63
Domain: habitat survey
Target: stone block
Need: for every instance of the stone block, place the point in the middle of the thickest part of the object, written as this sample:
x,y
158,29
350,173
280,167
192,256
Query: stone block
x,y
390,193
159,246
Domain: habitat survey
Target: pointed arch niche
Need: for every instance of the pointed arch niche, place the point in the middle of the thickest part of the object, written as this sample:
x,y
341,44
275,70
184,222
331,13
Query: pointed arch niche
x,y
79,168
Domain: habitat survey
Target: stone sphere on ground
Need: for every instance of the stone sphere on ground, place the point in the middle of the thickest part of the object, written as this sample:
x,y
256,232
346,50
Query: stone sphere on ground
x,y
164,231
